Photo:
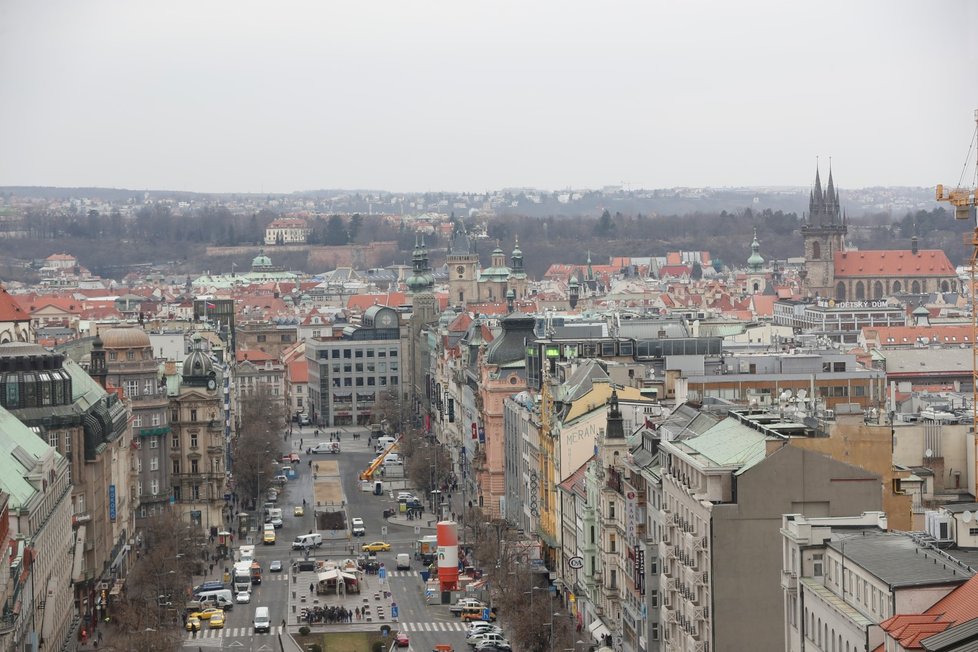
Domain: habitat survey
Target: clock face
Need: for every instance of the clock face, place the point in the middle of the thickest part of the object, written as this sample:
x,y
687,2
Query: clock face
x,y
386,320
211,384
460,270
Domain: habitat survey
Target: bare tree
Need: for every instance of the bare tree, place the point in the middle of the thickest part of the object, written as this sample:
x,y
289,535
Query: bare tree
x,y
258,444
147,616
427,464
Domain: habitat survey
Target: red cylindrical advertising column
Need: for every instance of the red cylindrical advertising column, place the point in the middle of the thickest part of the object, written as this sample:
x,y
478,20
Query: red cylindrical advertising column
x,y
448,555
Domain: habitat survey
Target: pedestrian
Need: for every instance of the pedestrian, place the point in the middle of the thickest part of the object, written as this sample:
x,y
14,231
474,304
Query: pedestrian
x,y
300,443
311,587
100,636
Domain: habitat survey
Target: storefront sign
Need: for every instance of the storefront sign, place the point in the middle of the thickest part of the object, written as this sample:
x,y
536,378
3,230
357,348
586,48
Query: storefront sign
x,y
640,569
112,502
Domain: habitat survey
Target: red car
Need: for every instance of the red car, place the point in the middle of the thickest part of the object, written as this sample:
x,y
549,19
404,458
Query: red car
x,y
291,457
401,640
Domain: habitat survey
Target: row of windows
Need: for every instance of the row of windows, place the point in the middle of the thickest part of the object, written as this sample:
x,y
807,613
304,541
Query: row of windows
x,y
359,382
336,354
131,355
150,387
359,367
153,419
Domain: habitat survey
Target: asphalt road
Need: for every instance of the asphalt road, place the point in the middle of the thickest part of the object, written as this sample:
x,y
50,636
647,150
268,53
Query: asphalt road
x,y
426,625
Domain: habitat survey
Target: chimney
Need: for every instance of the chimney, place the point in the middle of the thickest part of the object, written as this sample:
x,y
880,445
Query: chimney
x,y
913,245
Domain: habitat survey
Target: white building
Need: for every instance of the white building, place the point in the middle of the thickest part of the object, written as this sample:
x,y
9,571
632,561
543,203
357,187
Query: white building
x,y
287,230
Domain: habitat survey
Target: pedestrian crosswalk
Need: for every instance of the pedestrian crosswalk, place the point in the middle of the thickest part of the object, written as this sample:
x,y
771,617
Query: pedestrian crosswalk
x,y
229,632
433,627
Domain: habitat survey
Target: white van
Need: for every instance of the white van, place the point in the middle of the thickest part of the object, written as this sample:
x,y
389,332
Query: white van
x,y
304,541
403,561
383,443
392,458
263,623
221,599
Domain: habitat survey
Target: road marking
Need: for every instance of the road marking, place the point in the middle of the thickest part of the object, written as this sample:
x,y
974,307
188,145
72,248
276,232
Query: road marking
x,y
433,626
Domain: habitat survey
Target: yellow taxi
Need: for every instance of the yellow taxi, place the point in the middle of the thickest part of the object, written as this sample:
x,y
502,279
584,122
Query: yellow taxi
x,y
216,621
376,546
298,510
206,614
193,622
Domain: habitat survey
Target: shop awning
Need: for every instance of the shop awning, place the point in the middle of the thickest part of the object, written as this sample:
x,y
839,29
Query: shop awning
x,y
78,563
598,631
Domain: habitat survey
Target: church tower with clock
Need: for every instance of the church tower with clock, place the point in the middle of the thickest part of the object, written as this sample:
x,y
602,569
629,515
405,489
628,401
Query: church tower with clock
x,y
463,269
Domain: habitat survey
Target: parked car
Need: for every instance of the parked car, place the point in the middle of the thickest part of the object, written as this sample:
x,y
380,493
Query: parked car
x,y
498,646
291,458
488,637
464,603
376,546
275,567
280,479
304,420
486,628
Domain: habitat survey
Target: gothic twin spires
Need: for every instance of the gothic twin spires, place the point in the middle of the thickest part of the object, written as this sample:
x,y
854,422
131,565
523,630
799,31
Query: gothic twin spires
x,y
824,207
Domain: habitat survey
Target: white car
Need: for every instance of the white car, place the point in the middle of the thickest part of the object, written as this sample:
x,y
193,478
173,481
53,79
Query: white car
x,y
488,637
357,527
242,597
477,633
281,479
276,522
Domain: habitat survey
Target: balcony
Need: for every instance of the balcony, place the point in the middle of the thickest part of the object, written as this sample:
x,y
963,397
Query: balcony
x,y
789,581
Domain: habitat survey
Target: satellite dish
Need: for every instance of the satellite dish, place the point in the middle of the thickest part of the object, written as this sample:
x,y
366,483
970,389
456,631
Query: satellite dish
x,y
966,516
930,453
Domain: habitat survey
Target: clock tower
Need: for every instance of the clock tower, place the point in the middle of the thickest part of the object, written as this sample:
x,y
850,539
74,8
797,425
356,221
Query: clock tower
x,y
463,269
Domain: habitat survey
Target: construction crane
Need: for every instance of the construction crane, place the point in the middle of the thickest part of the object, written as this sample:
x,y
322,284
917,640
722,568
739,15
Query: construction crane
x,y
962,198
368,473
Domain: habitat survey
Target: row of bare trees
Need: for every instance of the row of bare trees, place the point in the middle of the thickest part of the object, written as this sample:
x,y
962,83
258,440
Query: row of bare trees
x,y
258,444
147,614
533,618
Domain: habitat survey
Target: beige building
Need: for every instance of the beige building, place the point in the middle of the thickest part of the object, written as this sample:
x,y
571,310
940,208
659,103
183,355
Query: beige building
x,y
287,230
132,367
197,452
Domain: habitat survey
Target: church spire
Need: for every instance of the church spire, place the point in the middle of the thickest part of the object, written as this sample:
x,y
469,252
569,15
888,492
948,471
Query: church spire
x,y
616,426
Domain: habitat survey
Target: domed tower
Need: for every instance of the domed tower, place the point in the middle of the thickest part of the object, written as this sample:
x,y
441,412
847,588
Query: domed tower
x,y
573,292
198,368
96,365
421,279
261,262
517,275
755,267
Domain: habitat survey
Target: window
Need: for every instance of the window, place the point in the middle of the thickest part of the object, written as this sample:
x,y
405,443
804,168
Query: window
x,y
174,442
654,597
336,367
53,438
80,505
130,355
348,368
154,463
193,440
174,416
359,367
817,565
347,382
139,492
112,355
370,353
335,354
614,579
155,419
176,492
176,467
193,414
154,488
347,353
393,353
654,631
132,387
196,492
149,386
194,467
359,382
154,442
137,421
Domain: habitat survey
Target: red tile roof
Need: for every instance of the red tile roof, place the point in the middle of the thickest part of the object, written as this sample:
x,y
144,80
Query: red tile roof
x,y
10,310
299,371
674,271
958,606
254,355
908,335
895,262
361,302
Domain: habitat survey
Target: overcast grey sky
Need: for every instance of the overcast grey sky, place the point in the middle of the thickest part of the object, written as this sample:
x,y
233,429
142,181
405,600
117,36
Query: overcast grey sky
x,y
276,96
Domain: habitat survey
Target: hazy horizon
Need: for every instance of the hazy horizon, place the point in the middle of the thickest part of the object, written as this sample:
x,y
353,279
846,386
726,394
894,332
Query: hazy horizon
x,y
245,97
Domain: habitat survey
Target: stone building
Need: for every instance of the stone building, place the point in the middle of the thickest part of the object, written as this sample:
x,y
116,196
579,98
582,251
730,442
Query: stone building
x,y
468,284
834,271
131,366
89,426
197,451
36,479
15,322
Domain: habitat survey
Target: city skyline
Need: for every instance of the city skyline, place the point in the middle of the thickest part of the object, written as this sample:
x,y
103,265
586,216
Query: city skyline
x,y
242,97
